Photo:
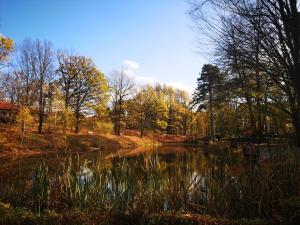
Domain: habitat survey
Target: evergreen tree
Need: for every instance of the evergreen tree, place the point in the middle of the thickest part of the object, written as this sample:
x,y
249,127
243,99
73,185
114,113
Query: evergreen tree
x,y
208,93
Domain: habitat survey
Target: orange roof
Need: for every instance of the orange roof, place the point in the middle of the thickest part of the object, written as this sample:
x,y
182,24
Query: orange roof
x,y
8,106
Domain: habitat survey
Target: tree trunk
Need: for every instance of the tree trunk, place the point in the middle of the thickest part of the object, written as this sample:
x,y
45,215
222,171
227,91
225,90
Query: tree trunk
x,y
258,81
142,132
297,129
296,123
236,126
41,110
251,114
119,118
115,114
77,122
259,118
211,117
41,120
65,119
265,122
117,124
184,127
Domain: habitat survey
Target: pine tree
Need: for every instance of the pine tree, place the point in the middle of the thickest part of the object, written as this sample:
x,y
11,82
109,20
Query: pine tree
x,y
208,93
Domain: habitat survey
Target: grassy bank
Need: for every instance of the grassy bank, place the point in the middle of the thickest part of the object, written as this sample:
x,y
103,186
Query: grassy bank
x,y
11,142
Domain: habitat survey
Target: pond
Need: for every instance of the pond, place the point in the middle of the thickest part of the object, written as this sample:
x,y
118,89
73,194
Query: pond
x,y
169,158
169,177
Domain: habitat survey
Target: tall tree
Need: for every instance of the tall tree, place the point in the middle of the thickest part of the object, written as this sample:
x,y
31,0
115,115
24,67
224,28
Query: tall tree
x,y
147,111
25,73
83,85
207,94
274,27
248,83
44,69
67,77
182,101
121,89
35,65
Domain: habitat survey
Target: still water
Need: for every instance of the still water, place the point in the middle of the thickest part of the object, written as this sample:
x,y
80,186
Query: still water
x,y
162,178
169,159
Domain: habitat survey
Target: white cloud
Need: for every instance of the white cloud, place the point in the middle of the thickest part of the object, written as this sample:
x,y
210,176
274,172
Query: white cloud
x,y
143,80
129,73
181,86
131,65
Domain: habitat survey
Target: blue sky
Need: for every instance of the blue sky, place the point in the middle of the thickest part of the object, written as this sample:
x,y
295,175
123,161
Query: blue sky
x,y
153,38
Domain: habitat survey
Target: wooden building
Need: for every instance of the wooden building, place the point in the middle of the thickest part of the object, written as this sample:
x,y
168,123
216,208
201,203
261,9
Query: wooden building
x,y
8,112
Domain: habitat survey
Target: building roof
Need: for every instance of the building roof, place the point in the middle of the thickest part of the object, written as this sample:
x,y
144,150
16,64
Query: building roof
x,y
8,106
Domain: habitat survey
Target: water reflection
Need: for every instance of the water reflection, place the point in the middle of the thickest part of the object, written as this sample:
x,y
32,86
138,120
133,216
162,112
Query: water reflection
x,y
167,178
184,161
85,176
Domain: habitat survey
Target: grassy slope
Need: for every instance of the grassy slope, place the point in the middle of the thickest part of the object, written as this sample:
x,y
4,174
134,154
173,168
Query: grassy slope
x,y
44,143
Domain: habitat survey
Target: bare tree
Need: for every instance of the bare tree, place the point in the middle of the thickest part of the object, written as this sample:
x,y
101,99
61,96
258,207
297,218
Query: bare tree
x,y
67,79
240,53
34,67
273,27
10,87
44,69
121,88
24,72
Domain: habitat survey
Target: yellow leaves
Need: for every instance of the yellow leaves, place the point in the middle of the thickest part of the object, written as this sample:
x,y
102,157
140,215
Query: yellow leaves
x,y
100,108
104,127
6,46
25,119
161,124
